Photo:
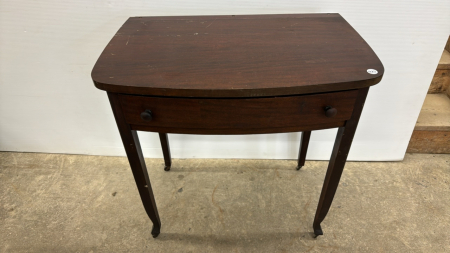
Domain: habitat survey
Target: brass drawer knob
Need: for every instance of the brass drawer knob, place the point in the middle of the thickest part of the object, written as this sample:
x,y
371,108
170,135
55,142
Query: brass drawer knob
x,y
330,112
147,115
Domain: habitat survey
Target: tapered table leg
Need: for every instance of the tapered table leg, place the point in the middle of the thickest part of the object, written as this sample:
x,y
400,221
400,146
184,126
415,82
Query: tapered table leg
x,y
304,141
134,153
166,150
337,162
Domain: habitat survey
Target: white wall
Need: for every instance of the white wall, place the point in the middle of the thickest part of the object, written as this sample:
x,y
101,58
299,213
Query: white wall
x,y
48,102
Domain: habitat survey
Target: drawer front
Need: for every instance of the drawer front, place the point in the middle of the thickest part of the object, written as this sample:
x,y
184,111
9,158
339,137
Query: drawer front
x,y
245,113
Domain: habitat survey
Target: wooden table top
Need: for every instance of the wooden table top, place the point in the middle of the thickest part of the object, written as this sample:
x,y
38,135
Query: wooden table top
x,y
236,56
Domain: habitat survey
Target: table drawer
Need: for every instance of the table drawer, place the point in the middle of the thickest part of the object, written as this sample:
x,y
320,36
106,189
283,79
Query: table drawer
x,y
244,113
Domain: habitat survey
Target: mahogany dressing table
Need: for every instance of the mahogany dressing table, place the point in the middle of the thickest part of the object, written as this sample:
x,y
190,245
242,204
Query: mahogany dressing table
x,y
243,74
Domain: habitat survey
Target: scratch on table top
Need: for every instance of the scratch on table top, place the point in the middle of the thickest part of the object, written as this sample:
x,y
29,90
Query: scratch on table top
x,y
211,23
128,40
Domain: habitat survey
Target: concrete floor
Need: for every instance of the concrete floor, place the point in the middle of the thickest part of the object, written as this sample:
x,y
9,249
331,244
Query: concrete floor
x,y
75,203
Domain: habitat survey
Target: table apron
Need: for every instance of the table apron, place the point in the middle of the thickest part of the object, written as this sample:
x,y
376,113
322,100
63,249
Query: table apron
x,y
238,115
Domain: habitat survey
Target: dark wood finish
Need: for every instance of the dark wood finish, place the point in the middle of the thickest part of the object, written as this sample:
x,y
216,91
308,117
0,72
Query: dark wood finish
x,y
236,56
337,162
134,153
232,115
237,75
304,141
164,139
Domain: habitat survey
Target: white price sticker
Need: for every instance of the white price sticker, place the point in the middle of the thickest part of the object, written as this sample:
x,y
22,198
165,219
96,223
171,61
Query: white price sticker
x,y
372,71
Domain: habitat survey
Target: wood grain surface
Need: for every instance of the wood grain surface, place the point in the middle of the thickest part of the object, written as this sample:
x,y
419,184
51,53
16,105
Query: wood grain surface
x,y
238,114
431,142
236,56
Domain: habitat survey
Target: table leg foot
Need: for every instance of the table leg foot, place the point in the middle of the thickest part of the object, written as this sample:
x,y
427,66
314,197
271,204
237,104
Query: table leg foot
x,y
317,231
155,231
166,168
298,167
